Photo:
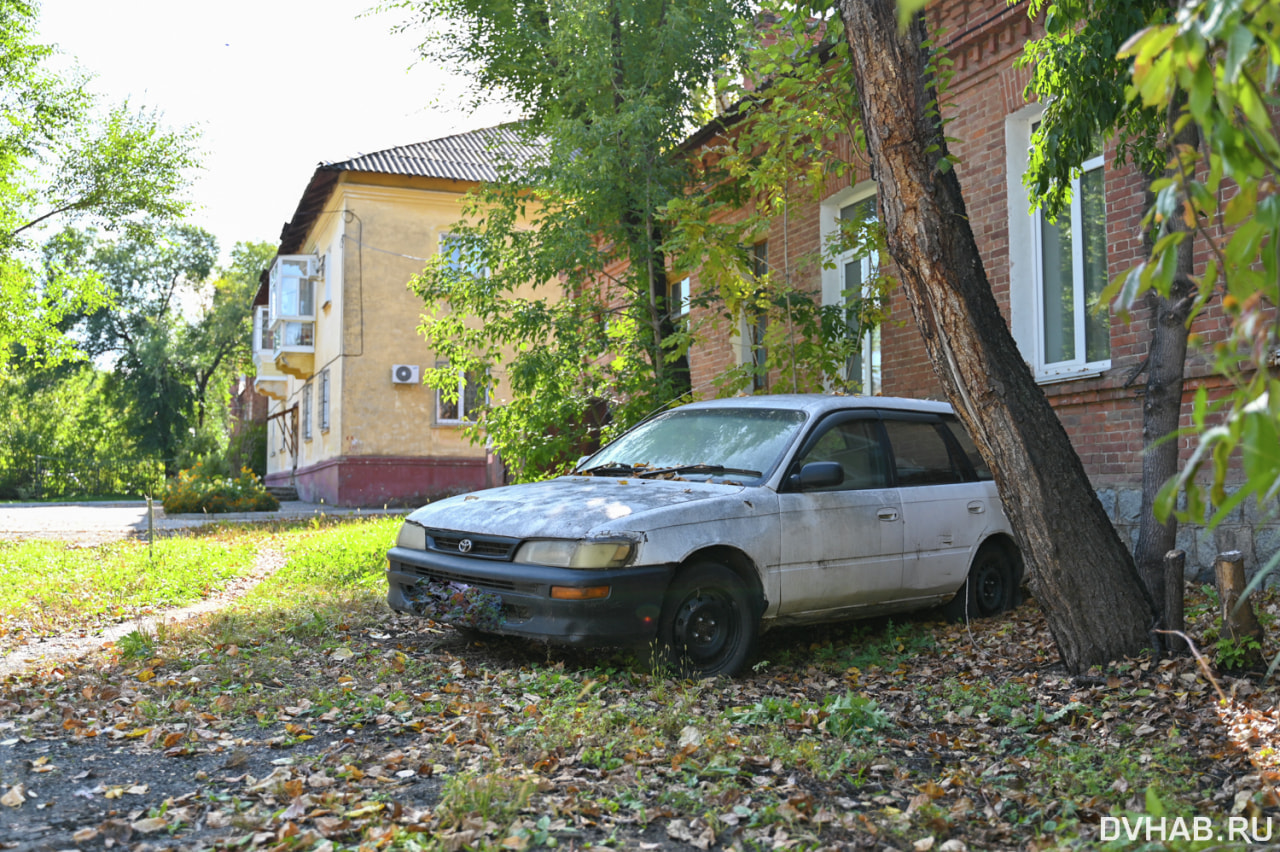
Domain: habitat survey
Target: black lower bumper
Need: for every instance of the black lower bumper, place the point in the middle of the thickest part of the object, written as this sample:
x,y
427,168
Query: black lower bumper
x,y
628,615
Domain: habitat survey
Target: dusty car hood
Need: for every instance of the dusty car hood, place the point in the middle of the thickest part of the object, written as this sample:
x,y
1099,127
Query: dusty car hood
x,y
566,507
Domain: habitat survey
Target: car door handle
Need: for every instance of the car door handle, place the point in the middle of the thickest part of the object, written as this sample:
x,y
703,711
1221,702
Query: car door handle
x,y
977,507
887,514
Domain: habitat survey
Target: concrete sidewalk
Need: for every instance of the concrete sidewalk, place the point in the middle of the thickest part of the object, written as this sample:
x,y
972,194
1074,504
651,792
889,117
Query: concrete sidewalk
x,y
96,522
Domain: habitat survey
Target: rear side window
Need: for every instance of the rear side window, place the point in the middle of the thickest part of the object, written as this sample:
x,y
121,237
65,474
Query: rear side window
x,y
970,449
921,455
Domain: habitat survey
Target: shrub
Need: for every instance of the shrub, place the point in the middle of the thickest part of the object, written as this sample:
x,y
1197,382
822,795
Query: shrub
x,y
199,490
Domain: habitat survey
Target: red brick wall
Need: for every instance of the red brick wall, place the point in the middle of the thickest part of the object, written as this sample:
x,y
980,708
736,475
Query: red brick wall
x,y
1101,414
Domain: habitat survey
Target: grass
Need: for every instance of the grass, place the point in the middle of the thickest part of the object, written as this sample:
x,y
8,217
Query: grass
x,y
46,585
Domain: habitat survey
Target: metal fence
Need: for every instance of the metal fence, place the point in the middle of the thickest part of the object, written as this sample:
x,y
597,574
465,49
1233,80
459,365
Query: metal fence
x,y
66,478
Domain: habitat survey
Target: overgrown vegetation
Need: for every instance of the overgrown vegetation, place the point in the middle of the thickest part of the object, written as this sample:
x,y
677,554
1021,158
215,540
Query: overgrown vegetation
x,y
341,723
202,489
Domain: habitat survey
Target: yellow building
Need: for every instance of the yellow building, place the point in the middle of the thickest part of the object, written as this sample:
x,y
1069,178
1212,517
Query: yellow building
x,y
335,344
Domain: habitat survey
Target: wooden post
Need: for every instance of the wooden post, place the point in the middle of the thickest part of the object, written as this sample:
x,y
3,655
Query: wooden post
x,y
1238,621
1175,585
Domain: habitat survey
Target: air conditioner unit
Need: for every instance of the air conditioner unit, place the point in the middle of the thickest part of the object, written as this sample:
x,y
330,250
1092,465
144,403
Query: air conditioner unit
x,y
404,374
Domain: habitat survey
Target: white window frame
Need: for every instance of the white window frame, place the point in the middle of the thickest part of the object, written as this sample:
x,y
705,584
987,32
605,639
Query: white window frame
x,y
871,380
462,417
306,412
325,391
683,298
1026,269
443,248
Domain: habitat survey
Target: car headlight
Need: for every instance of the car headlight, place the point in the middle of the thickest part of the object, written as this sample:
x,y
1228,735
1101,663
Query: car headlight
x,y
412,536
561,553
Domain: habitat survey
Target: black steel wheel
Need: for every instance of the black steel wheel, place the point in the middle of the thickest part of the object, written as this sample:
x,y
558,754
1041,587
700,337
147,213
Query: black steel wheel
x,y
709,622
991,587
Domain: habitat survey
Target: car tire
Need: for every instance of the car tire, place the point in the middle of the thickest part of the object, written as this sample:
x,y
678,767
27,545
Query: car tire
x,y
710,622
991,586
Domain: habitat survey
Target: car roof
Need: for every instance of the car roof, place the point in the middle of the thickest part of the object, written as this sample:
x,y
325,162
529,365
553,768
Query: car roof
x,y
821,403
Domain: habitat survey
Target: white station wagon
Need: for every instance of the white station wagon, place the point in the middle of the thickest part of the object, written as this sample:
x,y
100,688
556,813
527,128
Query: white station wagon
x,y
707,524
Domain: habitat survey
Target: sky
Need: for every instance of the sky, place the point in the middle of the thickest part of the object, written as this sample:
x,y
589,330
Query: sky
x,y
275,87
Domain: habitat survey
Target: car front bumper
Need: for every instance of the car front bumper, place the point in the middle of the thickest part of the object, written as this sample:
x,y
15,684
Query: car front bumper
x,y
627,616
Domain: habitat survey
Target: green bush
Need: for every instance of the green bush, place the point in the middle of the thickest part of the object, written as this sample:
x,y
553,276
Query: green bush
x,y
199,490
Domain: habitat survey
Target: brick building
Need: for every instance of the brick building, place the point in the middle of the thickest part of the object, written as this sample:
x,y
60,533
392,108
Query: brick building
x,y
1043,275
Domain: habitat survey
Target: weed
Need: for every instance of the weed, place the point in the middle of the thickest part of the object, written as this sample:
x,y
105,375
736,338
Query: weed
x,y
769,711
855,717
488,797
136,645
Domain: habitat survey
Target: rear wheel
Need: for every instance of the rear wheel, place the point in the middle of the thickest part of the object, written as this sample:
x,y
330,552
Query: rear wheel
x,y
991,587
709,621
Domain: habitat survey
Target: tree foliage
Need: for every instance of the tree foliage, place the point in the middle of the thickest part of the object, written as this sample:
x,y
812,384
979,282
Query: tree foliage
x,y
1216,66
1077,75
609,89
175,332
792,133
61,159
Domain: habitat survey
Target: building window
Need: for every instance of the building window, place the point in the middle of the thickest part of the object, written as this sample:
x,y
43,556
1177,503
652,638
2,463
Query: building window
x,y
1058,270
1073,274
264,341
306,412
462,408
454,251
758,321
291,302
858,269
679,301
324,401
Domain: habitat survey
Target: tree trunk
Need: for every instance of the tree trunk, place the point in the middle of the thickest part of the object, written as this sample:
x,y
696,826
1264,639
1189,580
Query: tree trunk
x,y
1162,402
1080,571
1239,624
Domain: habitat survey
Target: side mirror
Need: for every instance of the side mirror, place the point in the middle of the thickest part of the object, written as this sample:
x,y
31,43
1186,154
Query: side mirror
x,y
815,475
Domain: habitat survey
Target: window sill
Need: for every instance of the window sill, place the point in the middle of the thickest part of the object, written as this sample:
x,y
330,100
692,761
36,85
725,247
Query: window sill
x,y
1091,372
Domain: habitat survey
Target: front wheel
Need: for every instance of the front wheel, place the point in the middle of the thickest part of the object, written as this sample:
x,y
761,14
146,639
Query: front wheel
x,y
709,621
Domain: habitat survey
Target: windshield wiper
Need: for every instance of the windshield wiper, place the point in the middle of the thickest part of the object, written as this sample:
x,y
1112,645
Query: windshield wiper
x,y
608,469
699,468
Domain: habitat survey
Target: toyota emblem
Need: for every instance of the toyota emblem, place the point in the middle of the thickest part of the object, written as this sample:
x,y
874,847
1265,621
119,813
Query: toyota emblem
x,y
464,546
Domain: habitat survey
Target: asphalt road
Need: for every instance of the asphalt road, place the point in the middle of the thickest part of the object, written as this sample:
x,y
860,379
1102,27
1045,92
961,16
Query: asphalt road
x,y
93,523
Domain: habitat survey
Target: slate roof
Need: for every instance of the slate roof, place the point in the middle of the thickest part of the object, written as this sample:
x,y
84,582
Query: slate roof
x,y
474,156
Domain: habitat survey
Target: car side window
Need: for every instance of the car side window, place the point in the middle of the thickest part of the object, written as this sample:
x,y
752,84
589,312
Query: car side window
x,y
920,454
969,448
855,445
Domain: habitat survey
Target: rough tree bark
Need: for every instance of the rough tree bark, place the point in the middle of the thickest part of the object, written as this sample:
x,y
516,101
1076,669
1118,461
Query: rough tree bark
x,y
1079,570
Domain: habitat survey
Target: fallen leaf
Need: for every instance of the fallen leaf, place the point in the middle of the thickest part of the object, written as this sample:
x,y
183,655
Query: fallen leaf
x,y
13,798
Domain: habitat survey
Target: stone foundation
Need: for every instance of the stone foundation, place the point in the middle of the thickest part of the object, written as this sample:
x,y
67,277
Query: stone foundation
x,y
1253,531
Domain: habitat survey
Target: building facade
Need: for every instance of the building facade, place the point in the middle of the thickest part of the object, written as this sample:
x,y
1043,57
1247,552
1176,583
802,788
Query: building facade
x,y
335,329
1046,276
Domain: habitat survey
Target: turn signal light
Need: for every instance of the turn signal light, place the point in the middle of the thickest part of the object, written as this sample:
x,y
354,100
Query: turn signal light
x,y
579,593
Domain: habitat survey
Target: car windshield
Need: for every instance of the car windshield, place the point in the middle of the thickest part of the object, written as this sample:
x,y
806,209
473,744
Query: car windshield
x,y
733,443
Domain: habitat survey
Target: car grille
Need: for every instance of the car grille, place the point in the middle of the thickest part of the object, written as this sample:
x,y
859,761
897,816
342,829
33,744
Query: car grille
x,y
472,546
490,583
